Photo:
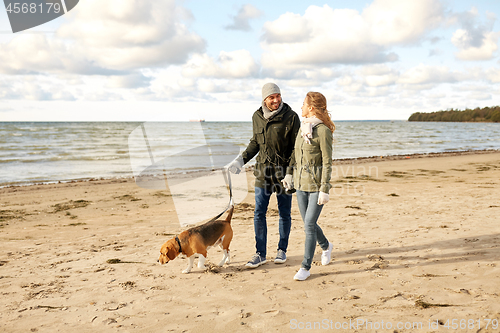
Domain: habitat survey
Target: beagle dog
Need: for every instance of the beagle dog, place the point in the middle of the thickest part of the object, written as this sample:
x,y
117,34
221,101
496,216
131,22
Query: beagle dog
x,y
197,240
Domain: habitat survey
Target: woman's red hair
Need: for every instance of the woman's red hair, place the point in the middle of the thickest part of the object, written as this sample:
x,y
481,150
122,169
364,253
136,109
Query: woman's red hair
x,y
318,102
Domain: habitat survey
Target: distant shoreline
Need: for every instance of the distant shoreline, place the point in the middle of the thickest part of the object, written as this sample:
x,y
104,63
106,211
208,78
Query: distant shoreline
x,y
477,115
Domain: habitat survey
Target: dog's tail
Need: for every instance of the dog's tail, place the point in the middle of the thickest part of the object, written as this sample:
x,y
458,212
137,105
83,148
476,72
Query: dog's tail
x,y
230,214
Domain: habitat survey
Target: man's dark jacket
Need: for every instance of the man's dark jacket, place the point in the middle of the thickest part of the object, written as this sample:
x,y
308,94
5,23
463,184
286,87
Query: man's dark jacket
x,y
273,140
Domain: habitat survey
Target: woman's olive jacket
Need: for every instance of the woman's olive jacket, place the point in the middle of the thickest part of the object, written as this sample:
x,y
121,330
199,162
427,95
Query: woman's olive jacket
x,y
311,164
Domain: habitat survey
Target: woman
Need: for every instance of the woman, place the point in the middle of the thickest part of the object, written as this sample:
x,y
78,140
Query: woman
x,y
311,164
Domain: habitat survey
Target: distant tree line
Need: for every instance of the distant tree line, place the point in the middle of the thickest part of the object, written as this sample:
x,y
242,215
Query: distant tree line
x,y
484,115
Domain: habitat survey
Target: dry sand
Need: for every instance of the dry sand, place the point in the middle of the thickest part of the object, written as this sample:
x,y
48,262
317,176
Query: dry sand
x,y
415,241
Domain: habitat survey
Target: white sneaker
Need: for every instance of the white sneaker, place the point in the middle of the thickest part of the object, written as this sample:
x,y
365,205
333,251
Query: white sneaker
x,y
302,274
326,256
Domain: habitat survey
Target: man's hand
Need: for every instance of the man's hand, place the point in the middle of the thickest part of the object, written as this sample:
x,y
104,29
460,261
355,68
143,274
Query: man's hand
x,y
236,165
288,182
323,198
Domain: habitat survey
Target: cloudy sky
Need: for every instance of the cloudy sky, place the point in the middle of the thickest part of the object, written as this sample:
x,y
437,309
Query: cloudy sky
x,y
131,60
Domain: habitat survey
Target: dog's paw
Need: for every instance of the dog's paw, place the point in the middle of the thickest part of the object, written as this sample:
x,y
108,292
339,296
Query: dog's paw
x,y
201,267
225,260
186,271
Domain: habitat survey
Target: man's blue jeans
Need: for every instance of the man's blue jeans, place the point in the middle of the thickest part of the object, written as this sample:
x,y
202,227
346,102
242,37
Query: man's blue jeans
x,y
310,210
262,197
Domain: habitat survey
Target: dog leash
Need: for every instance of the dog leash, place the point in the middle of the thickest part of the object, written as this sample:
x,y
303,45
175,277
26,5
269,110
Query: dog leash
x,y
227,179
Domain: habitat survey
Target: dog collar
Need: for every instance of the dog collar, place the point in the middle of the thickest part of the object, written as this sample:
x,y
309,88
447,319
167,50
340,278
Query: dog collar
x,y
179,242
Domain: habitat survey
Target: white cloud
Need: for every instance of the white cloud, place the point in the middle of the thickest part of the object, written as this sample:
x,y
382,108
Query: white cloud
x,y
396,22
473,87
34,89
209,86
418,87
242,20
322,36
475,40
5,108
377,69
379,75
37,53
288,28
102,96
350,84
381,80
376,92
423,74
435,52
7,93
107,38
235,64
468,51
493,75
327,36
203,84
472,31
436,96
132,51
345,80
62,95
26,54
306,77
478,95
71,79
129,34
134,80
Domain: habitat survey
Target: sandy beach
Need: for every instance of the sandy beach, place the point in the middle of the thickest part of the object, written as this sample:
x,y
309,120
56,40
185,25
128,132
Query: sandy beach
x,y
416,249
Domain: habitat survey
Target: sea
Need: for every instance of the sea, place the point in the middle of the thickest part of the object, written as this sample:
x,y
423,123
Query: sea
x,y
50,152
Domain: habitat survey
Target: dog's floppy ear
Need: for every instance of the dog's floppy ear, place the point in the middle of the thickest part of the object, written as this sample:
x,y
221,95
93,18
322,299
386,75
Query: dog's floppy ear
x,y
171,253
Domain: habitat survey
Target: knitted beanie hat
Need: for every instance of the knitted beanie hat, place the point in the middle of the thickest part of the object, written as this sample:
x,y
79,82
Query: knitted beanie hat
x,y
270,89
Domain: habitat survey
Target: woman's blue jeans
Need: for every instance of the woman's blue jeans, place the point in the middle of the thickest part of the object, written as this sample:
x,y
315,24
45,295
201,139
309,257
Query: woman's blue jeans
x,y
310,210
262,197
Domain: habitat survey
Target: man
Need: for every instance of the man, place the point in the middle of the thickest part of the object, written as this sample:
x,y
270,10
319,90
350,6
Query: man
x,y
275,127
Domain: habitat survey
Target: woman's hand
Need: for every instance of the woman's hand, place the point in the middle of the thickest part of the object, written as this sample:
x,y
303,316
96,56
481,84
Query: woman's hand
x,y
323,198
288,182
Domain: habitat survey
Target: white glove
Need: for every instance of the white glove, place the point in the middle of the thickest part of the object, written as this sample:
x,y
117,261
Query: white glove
x,y
323,198
287,182
236,165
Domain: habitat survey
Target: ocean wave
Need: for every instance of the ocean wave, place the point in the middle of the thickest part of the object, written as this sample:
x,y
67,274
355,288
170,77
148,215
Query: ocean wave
x,y
75,150
62,158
